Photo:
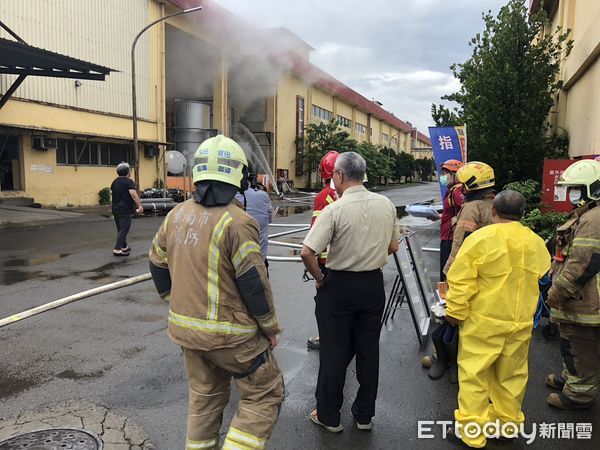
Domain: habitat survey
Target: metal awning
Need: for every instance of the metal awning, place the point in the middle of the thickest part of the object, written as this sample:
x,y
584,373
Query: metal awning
x,y
19,58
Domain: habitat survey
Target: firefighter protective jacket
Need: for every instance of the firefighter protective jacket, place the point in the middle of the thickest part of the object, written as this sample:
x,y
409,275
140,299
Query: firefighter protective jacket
x,y
473,215
220,295
576,277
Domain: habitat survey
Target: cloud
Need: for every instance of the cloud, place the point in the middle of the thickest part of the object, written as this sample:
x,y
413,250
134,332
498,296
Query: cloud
x,y
397,51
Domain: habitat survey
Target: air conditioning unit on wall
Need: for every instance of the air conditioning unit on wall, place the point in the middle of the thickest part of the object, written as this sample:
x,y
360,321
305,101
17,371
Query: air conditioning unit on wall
x,y
42,143
151,151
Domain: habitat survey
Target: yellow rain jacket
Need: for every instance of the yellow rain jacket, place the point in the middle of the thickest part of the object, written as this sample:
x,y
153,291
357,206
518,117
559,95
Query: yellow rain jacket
x,y
493,290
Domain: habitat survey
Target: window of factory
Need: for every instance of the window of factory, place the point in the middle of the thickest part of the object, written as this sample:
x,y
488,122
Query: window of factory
x,y
394,141
299,135
72,152
385,137
321,113
344,121
360,128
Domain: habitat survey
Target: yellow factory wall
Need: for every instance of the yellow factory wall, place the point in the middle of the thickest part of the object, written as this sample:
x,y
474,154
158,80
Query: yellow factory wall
x,y
343,109
359,117
376,131
52,184
51,118
577,109
288,88
322,99
583,114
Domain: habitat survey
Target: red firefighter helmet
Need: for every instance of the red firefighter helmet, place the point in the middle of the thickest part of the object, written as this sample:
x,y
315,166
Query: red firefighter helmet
x,y
327,163
452,165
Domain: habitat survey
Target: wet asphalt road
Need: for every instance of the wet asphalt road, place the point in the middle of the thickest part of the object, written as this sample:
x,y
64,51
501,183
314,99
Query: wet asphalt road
x,y
112,349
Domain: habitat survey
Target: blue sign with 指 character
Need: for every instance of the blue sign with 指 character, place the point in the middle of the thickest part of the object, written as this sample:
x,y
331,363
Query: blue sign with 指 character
x,y
448,143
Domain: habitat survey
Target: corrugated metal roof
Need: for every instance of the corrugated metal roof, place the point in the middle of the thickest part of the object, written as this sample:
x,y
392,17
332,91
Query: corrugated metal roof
x,y
17,58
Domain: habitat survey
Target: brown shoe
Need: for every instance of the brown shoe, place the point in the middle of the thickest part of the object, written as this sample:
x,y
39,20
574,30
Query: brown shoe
x,y
561,401
555,381
427,361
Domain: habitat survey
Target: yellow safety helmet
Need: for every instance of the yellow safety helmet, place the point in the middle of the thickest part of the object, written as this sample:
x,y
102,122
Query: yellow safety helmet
x,y
583,173
476,175
220,159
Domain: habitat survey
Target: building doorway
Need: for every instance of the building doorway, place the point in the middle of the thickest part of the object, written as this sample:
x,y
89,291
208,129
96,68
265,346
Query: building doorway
x,y
10,163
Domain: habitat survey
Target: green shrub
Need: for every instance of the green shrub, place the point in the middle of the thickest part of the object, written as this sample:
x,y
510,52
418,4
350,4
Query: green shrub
x,y
531,190
544,224
104,196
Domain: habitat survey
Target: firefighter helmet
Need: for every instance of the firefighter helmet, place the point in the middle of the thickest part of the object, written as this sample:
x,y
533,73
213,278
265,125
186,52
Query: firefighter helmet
x,y
327,163
476,175
220,159
583,173
452,165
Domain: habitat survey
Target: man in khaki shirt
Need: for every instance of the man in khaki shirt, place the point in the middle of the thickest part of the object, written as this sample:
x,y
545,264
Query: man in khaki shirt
x,y
360,229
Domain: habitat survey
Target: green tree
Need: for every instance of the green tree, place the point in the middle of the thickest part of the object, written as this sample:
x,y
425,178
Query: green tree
x,y
378,163
404,166
425,167
443,117
508,86
319,139
557,144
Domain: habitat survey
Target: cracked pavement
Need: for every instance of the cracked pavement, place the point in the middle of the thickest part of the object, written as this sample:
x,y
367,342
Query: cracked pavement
x,y
116,431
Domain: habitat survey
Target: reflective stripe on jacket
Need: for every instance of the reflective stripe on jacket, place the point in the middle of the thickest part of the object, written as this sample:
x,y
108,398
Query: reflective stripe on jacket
x,y
576,280
205,249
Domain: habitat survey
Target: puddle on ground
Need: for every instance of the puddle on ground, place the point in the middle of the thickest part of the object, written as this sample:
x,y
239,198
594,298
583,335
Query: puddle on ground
x,y
12,385
285,211
8,277
72,375
38,260
151,318
102,273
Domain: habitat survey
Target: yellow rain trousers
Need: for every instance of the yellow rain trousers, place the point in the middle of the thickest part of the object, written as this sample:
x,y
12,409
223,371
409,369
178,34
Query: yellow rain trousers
x,y
494,293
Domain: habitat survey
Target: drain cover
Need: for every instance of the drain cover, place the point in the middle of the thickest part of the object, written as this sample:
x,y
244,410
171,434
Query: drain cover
x,y
54,439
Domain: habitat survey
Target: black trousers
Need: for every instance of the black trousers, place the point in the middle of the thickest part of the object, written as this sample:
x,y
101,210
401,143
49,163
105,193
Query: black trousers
x,y
349,308
445,249
123,223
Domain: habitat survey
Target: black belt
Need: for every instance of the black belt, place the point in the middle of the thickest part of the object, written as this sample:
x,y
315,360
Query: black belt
x,y
341,272
259,361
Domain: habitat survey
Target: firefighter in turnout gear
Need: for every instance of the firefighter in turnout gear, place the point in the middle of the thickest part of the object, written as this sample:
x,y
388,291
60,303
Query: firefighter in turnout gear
x,y
327,196
477,179
575,293
205,260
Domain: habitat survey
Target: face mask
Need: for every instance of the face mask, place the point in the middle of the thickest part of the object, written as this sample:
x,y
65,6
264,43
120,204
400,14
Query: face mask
x,y
444,180
574,196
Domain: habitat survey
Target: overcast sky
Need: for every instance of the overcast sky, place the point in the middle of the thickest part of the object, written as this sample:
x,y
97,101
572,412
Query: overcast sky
x,y
396,51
